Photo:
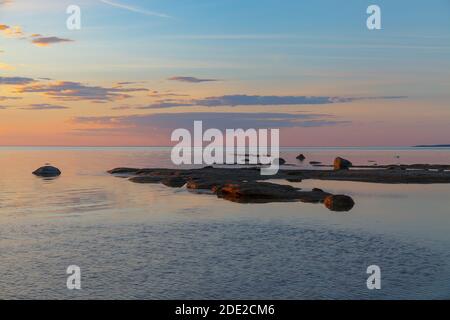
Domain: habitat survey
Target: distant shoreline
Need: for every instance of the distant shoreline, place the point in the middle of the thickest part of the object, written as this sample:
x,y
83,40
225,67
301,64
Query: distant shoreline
x,y
433,146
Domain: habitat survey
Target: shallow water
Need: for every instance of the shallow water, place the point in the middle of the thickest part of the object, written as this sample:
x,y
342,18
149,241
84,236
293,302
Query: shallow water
x,y
153,242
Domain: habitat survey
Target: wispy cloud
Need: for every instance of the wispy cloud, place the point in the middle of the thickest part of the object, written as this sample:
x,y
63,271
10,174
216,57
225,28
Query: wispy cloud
x,y
191,79
11,31
4,66
44,106
75,91
254,100
15,80
3,98
35,38
162,123
46,41
135,9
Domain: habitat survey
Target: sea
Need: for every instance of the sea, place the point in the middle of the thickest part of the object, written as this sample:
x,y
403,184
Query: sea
x,y
148,241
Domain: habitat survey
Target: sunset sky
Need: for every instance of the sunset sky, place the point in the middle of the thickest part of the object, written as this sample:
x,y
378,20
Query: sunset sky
x,y
139,69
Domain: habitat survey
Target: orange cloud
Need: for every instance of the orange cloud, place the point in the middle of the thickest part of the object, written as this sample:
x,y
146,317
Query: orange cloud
x,y
36,38
11,32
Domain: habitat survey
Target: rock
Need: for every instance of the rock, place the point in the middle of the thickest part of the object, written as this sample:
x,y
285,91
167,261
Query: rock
x,y
317,190
315,162
174,182
203,184
258,192
342,164
47,171
123,171
279,161
294,179
146,179
339,203
301,157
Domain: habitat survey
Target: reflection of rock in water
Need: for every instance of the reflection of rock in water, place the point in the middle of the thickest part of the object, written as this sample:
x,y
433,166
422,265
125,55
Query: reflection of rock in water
x,y
339,203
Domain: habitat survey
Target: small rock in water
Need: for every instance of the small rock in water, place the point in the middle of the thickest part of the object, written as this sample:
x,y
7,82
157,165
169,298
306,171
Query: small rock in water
x,y
342,164
301,157
279,161
47,171
315,162
339,203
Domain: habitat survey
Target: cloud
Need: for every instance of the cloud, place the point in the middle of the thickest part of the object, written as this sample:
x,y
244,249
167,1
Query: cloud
x,y
4,66
46,41
254,100
164,123
15,80
11,31
44,106
75,91
135,9
36,38
191,79
4,98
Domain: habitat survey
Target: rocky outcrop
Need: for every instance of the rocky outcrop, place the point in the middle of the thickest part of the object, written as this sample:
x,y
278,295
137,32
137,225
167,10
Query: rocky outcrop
x,y
47,171
247,185
341,164
339,203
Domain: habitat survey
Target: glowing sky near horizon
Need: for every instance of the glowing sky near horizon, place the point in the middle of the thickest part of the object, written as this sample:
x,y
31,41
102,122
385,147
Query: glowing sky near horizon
x,y
139,69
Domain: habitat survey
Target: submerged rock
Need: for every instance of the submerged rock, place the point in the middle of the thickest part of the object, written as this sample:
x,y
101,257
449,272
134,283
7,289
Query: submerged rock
x,y
342,164
47,171
339,203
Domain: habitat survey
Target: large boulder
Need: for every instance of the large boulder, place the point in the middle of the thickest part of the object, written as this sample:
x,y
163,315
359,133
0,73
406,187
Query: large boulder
x,y
342,164
47,171
258,192
339,203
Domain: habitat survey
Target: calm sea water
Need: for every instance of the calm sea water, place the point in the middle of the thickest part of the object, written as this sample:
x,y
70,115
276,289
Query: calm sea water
x,y
137,241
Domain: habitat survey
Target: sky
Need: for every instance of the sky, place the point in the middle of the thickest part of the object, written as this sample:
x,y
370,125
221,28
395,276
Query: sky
x,y
137,70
